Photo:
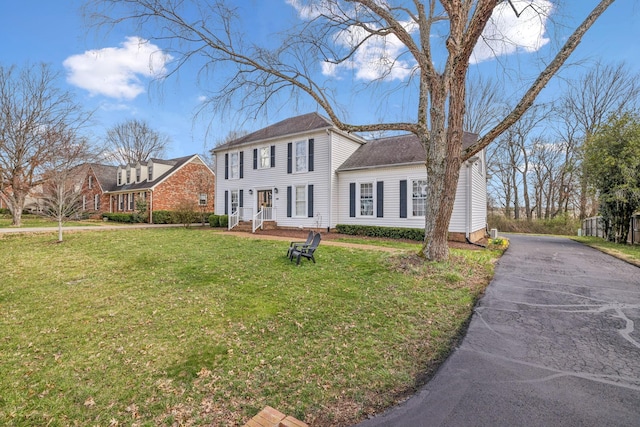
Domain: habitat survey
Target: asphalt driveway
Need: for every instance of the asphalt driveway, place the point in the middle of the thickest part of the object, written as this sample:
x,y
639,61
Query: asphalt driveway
x,y
555,341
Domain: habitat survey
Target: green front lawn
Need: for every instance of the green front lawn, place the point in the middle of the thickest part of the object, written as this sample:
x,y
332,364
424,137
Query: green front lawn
x,y
190,327
29,220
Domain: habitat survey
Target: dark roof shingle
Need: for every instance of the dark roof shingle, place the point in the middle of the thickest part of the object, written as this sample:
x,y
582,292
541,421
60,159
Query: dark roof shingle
x,y
394,150
290,126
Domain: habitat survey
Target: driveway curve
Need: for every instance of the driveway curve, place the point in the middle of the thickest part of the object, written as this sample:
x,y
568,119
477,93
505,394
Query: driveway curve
x,y
555,341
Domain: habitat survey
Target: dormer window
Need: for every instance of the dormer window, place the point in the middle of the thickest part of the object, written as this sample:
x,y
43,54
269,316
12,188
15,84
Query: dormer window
x,y
119,177
150,176
138,173
128,175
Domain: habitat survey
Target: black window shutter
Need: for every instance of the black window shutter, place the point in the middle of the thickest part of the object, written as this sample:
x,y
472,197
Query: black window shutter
x,y
226,202
273,156
255,158
380,199
226,166
403,198
289,202
241,198
310,201
352,199
289,151
311,155
241,164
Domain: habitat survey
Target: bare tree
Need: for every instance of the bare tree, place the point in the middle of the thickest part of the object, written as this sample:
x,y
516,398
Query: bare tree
x,y
133,141
32,107
602,91
62,186
209,30
485,105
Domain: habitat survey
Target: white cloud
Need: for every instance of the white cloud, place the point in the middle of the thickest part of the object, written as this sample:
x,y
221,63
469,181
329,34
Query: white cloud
x,y
117,72
379,57
376,58
507,33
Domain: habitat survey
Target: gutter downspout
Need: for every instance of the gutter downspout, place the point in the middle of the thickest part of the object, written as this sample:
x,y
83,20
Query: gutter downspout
x,y
469,201
331,189
150,206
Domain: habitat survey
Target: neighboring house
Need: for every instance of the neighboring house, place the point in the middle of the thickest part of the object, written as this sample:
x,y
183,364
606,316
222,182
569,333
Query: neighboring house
x,y
162,184
303,172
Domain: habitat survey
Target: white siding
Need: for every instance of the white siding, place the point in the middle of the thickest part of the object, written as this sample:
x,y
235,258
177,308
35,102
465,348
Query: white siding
x,y
341,147
459,216
479,199
391,176
277,177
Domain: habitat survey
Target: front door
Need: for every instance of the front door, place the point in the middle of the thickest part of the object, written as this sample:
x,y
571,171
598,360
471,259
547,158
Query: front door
x,y
265,202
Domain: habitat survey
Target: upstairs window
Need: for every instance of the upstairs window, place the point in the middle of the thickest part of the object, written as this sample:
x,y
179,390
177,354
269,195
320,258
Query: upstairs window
x,y
90,182
150,172
301,156
265,157
234,167
138,174
119,178
128,176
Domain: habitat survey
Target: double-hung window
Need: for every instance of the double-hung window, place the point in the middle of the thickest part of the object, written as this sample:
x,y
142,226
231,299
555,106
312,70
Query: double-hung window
x,y
301,156
202,199
419,197
90,182
234,167
235,198
128,176
264,160
96,202
366,199
301,200
131,201
150,172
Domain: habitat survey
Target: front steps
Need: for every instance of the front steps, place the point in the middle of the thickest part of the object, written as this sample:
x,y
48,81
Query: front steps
x,y
246,226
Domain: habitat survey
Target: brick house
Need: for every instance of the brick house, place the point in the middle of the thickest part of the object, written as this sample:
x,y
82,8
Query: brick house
x,y
162,184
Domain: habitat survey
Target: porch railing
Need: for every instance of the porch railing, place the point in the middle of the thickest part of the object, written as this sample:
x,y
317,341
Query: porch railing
x,y
234,219
264,214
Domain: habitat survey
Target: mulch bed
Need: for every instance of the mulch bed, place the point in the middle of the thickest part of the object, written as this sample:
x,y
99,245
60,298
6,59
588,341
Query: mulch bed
x,y
301,234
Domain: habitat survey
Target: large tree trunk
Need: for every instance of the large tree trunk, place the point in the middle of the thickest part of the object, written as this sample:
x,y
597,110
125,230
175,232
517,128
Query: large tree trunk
x,y
17,205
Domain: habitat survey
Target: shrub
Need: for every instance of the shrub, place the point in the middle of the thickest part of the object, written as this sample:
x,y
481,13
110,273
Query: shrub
x,y
186,213
214,220
560,225
4,211
224,220
162,217
386,232
118,216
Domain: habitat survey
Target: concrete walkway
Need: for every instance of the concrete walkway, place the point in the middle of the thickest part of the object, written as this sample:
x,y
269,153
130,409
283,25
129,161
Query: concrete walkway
x,y
555,341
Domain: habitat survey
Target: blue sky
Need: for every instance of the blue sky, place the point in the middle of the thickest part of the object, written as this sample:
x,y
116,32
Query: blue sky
x,y
117,86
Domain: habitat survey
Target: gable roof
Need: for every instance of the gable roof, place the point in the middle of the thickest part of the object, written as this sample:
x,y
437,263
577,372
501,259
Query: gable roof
x,y
105,175
175,164
392,151
290,126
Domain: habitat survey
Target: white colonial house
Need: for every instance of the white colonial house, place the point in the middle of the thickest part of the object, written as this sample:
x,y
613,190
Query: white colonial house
x,y
303,172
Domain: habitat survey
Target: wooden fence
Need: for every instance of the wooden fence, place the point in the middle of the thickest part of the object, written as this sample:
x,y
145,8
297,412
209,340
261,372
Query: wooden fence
x,y
595,227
